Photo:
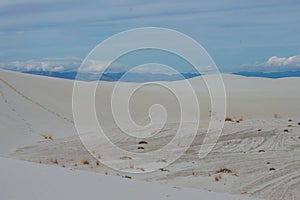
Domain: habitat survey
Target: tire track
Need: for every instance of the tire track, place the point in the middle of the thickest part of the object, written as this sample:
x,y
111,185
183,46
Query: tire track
x,y
237,150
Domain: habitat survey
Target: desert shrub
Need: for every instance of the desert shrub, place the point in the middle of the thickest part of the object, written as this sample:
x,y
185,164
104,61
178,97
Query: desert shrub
x,y
228,119
218,177
85,162
143,142
224,170
194,172
55,161
129,177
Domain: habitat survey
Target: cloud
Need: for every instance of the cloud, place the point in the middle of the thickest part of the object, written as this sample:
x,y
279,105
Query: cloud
x,y
58,28
71,64
67,64
46,64
275,61
93,66
276,64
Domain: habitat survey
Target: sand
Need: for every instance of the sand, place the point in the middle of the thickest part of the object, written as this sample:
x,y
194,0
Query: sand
x,y
259,147
25,180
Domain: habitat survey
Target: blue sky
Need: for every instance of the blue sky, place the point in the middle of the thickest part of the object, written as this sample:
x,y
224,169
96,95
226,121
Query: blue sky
x,y
235,33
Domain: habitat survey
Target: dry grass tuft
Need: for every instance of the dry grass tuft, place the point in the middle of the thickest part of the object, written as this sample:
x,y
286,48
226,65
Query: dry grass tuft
x,y
142,169
218,177
224,170
276,116
46,136
85,162
143,142
55,161
162,160
164,170
228,119
194,173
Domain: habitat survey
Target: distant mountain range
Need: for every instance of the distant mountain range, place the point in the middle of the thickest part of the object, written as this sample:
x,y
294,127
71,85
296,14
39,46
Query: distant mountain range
x,y
146,77
270,74
130,77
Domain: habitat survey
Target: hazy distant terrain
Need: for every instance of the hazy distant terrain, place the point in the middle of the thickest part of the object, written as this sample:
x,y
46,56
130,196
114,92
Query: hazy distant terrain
x,y
154,77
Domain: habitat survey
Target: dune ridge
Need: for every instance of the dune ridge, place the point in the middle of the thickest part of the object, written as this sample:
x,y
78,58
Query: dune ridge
x,y
260,142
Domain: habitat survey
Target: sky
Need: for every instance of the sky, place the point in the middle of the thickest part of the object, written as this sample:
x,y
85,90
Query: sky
x,y
239,35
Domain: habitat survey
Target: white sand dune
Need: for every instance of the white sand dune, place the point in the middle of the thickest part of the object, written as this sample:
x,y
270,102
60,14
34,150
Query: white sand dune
x,y
23,180
34,108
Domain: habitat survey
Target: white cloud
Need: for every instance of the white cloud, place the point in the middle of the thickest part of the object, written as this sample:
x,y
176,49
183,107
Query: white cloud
x,y
99,66
276,64
70,64
275,61
61,65
46,64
